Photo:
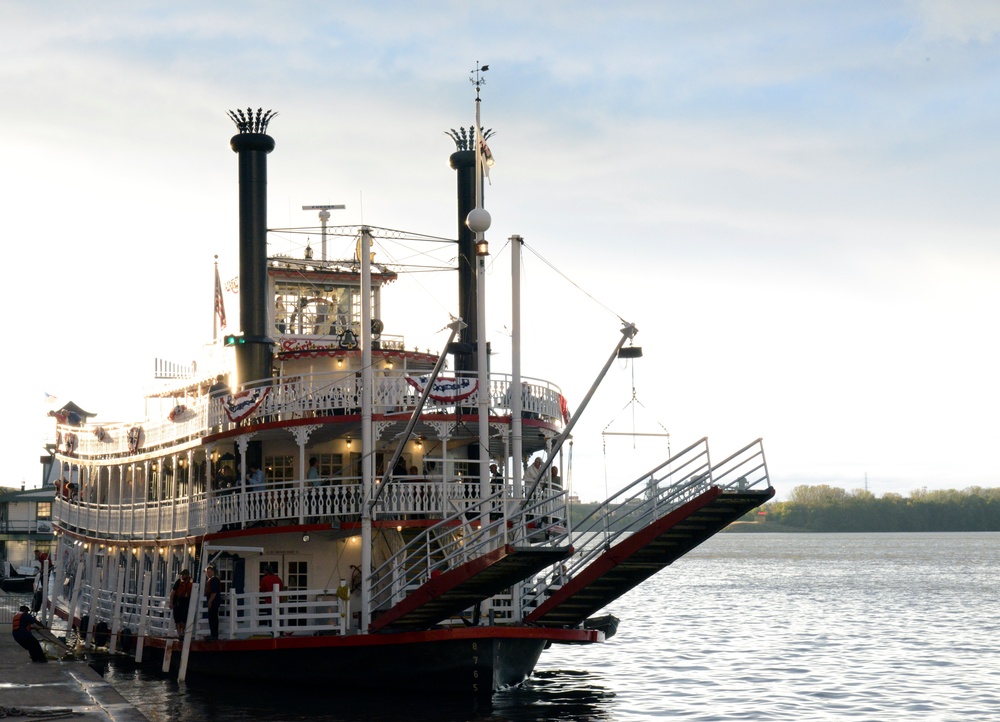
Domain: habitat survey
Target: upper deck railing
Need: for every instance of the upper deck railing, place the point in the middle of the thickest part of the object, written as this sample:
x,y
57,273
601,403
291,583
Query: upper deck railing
x,y
301,396
285,503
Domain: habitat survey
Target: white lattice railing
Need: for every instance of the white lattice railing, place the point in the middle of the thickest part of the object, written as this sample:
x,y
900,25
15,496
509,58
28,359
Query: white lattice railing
x,y
295,397
286,503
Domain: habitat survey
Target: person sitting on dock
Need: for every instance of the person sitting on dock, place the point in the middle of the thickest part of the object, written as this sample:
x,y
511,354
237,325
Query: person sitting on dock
x,y
21,627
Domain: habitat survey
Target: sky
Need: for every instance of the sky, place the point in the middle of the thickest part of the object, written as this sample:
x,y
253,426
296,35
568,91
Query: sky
x,y
793,202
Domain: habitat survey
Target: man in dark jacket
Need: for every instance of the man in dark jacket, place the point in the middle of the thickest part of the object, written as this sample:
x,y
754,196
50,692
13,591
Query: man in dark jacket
x,y
21,630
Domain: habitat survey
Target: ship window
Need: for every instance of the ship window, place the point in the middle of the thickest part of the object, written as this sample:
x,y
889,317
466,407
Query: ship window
x,y
296,579
316,309
352,467
279,468
329,464
298,575
43,510
224,571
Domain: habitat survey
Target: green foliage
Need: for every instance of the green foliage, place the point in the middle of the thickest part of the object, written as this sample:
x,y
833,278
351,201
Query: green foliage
x,y
831,509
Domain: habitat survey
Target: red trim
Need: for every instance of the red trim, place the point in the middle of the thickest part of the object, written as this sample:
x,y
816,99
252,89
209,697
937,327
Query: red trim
x,y
437,586
621,551
355,419
576,636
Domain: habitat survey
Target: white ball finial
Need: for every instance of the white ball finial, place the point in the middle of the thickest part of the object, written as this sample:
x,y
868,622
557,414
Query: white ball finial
x,y
479,220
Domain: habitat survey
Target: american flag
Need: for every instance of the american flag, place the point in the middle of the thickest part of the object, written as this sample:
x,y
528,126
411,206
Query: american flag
x,y
220,306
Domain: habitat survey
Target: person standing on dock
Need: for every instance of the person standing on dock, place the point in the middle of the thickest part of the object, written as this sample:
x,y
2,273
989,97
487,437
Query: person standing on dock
x,y
268,581
21,627
180,600
213,598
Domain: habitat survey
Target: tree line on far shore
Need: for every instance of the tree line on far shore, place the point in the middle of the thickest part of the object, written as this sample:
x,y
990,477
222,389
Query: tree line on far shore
x,y
825,508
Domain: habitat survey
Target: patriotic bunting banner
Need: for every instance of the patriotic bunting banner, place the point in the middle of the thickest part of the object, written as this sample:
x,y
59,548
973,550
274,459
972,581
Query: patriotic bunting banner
x,y
446,390
241,405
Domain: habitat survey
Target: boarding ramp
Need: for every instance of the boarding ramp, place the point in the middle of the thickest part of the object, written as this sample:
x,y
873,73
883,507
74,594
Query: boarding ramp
x,y
467,558
645,527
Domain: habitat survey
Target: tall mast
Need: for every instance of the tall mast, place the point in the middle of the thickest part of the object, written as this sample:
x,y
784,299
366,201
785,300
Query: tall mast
x,y
367,439
479,222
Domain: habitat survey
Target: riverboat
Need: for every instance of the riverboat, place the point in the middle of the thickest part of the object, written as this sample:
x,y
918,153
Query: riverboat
x,y
413,545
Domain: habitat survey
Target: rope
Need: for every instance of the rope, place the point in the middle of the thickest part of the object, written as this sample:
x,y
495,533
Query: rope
x,y
574,284
38,713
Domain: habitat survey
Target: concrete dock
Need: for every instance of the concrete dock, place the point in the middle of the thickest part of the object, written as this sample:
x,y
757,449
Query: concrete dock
x,y
61,689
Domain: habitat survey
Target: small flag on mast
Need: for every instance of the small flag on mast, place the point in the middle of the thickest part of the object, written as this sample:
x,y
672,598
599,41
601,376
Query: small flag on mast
x,y
220,306
484,152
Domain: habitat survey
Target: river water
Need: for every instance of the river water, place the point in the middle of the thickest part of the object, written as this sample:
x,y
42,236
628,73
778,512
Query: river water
x,y
746,627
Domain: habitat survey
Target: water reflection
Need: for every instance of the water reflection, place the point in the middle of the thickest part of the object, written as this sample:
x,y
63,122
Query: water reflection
x,y
555,695
550,696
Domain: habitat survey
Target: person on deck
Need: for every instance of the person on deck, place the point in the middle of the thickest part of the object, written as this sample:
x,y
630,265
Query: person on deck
x,y
312,476
213,599
180,600
255,479
268,582
532,472
220,388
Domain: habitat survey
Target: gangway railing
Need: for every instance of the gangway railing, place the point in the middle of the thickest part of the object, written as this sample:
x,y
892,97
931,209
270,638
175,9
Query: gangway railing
x,y
678,480
474,530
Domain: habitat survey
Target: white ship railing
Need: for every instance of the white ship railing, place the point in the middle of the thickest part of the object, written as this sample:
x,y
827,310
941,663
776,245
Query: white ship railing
x,y
305,612
339,393
305,396
478,528
294,502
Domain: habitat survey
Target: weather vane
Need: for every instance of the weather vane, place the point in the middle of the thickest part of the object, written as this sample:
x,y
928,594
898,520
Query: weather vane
x,y
478,80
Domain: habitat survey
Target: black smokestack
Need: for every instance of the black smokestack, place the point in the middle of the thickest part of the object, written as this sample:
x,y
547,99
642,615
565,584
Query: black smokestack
x,y
252,144
464,162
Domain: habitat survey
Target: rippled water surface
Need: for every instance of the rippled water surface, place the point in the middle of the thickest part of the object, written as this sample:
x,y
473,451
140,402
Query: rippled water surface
x,y
746,627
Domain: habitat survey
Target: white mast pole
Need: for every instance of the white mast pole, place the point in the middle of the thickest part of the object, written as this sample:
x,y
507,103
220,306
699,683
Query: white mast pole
x,y
367,445
480,226
515,376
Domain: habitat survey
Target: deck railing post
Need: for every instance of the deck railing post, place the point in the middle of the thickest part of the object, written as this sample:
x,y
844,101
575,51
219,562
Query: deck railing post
x,y
116,620
189,630
143,616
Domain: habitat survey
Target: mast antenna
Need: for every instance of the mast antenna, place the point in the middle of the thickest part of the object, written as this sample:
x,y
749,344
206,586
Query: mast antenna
x,y
324,216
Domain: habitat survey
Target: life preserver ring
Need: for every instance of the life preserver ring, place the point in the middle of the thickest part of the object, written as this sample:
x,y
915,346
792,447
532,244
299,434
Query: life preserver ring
x,y
134,438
